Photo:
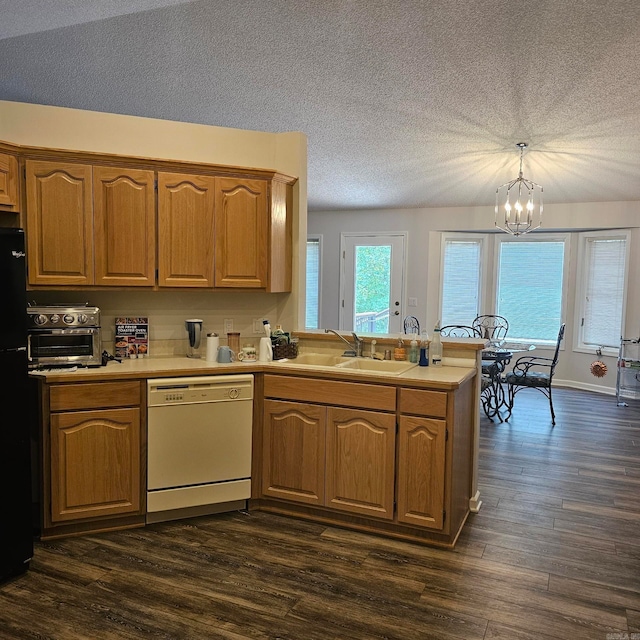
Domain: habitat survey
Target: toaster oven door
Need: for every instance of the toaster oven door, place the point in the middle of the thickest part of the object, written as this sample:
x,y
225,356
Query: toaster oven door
x,y
61,347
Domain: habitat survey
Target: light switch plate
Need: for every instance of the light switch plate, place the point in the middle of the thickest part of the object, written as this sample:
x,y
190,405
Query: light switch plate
x,y
413,302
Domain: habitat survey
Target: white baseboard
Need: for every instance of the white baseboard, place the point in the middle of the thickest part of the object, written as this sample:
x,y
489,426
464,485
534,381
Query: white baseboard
x,y
584,386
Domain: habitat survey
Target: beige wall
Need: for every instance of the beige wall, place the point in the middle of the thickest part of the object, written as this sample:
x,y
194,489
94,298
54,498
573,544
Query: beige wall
x,y
62,128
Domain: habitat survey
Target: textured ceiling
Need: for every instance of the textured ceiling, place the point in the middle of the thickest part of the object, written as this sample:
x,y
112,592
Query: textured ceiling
x,y
406,103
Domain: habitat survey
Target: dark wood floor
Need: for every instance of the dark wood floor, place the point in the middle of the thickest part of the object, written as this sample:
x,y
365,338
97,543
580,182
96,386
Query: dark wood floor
x,y
553,553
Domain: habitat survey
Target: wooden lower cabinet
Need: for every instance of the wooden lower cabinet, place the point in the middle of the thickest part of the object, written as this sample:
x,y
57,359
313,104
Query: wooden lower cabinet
x,y
379,458
328,456
294,451
95,463
361,461
421,471
94,437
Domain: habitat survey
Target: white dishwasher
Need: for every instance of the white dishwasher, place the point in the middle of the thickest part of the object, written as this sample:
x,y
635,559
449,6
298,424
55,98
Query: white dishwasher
x,y
198,445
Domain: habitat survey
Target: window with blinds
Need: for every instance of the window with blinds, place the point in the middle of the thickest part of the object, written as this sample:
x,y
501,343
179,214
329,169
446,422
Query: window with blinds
x,y
529,288
312,311
461,279
604,275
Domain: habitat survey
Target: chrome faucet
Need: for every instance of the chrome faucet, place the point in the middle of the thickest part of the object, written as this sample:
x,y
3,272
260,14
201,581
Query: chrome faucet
x,y
354,349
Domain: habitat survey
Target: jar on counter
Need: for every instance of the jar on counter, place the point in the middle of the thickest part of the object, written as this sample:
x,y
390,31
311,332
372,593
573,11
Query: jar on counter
x,y
233,340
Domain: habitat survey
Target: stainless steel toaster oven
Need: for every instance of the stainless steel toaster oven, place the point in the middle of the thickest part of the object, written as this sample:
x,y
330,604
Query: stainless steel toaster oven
x,y
63,336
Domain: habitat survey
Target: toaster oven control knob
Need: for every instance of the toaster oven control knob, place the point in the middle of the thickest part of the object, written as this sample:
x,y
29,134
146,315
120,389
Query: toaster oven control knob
x,y
83,318
68,318
54,318
40,319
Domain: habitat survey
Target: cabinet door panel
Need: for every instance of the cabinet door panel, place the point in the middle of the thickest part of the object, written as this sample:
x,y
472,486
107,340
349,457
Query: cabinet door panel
x,y
8,182
361,461
59,223
95,464
421,471
124,226
241,233
294,451
185,230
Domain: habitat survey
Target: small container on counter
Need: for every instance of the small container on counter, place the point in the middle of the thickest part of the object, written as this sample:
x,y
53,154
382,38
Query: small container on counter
x,y
213,342
233,340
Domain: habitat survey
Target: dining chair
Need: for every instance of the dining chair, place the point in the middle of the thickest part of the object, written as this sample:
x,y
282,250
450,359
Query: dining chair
x,y
533,372
411,325
491,327
489,390
458,331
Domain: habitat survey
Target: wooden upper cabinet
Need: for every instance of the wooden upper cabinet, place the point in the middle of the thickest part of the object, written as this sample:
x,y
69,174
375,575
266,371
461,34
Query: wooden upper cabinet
x,y
59,223
185,230
8,182
124,222
241,227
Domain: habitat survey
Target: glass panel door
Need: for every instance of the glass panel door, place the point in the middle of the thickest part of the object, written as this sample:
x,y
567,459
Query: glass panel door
x,y
372,283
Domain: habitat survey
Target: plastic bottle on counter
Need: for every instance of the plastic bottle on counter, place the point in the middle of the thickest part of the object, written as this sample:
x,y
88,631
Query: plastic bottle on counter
x,y
400,353
435,349
424,350
413,351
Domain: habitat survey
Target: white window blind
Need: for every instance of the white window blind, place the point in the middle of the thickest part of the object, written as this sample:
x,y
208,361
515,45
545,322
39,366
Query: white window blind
x,y
312,311
529,288
603,303
461,274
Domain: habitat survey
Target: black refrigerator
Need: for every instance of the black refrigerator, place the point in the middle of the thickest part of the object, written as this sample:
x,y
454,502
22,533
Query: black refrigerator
x,y
16,524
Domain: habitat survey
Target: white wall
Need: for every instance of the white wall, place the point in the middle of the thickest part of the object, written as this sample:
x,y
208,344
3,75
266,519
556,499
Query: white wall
x,y
423,268
62,128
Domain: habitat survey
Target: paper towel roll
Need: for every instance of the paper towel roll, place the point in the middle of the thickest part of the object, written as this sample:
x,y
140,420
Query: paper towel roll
x,y
213,342
265,352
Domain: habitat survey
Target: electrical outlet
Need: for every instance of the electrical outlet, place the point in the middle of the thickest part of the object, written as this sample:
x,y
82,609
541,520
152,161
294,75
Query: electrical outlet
x,y
228,325
258,326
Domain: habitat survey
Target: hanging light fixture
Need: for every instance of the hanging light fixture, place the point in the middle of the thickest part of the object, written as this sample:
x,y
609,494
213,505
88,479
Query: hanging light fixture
x,y
521,202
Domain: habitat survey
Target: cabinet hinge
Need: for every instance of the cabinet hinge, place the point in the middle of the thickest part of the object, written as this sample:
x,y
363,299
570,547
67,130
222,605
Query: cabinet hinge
x,y
155,185
444,515
446,434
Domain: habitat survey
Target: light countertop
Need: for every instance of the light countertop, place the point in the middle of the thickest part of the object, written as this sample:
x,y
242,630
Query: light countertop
x,y
445,377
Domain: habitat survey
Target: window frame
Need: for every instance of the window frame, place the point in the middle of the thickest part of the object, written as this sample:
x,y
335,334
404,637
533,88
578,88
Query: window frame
x,y
315,237
482,240
535,237
582,283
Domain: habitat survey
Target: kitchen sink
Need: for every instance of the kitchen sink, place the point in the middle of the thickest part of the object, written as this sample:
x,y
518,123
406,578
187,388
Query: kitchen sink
x,y
318,359
376,366
388,367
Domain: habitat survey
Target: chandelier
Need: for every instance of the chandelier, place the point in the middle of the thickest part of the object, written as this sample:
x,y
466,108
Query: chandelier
x,y
521,202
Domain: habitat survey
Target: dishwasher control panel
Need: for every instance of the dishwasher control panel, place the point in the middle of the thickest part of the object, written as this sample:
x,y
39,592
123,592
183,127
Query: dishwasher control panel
x,y
189,390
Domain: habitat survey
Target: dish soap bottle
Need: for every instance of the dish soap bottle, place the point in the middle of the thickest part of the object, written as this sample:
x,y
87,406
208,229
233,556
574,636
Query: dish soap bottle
x,y
435,349
400,353
424,350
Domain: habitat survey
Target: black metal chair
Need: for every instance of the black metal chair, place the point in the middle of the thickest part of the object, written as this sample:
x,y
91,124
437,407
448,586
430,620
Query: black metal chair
x,y
411,325
533,372
458,331
489,397
491,327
